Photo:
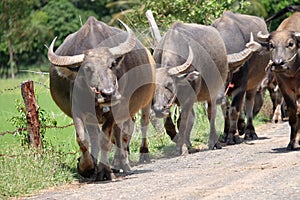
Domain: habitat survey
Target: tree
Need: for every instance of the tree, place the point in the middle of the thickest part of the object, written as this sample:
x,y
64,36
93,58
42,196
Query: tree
x,y
11,14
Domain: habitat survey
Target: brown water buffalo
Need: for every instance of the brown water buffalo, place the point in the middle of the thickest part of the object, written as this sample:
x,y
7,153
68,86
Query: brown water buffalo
x,y
192,67
235,29
101,76
284,46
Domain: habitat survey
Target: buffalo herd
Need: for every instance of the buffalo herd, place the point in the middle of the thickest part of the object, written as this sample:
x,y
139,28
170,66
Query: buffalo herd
x,y
102,77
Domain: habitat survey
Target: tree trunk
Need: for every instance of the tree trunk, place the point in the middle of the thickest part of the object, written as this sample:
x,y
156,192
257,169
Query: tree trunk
x,y
11,59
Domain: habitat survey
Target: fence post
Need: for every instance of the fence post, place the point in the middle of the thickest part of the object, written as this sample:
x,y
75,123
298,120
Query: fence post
x,y
33,125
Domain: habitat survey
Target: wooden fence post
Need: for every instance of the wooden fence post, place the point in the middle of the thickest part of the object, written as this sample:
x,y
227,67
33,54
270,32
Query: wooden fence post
x,y
33,125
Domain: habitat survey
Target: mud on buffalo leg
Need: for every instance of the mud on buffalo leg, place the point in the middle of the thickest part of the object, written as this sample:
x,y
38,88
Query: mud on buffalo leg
x,y
122,134
86,163
104,170
145,119
213,136
249,102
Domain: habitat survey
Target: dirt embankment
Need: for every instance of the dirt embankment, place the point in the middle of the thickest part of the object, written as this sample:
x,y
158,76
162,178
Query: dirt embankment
x,y
260,169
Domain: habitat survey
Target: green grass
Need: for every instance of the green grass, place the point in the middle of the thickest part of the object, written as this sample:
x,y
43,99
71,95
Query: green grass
x,y
24,170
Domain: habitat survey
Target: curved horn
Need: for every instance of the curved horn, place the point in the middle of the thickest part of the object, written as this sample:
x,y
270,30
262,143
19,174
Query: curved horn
x,y
235,60
63,61
184,66
126,46
262,37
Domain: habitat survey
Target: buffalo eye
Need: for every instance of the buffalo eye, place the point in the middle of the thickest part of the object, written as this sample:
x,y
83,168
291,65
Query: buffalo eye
x,y
116,62
291,44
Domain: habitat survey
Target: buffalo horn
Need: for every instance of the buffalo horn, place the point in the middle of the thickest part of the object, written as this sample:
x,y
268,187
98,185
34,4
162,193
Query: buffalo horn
x,y
235,60
184,66
63,61
262,37
126,46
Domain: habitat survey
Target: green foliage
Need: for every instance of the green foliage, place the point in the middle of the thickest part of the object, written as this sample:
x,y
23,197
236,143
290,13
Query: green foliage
x,y
267,8
19,121
167,12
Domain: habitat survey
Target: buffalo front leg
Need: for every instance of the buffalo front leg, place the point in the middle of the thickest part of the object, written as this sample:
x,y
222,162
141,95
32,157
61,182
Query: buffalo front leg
x,y
181,147
293,119
86,163
122,134
104,170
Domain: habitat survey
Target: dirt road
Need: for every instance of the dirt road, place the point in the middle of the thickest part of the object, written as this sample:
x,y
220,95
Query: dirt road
x,y
261,169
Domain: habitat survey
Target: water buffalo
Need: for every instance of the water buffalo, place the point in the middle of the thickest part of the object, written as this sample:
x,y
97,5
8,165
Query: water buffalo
x,y
101,75
284,46
192,66
235,29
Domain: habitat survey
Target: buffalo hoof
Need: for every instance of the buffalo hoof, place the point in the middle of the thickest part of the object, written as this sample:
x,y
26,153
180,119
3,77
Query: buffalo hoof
x,y
230,141
223,139
88,171
121,164
237,139
234,140
250,135
291,147
217,146
104,173
144,158
181,150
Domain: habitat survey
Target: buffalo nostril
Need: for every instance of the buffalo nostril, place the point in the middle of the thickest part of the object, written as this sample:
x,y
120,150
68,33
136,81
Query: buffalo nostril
x,y
107,92
278,62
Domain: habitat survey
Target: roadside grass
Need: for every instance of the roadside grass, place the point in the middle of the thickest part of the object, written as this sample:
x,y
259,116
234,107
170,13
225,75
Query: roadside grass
x,y
24,170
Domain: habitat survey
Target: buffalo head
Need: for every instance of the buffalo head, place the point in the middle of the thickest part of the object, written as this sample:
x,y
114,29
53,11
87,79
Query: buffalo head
x,y
167,80
98,67
283,46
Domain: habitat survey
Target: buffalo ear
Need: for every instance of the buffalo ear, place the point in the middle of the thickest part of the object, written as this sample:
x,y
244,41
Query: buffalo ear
x,y
190,76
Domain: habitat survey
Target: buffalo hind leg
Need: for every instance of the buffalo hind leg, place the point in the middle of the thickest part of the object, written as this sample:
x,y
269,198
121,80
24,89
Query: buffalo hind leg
x,y
213,136
144,150
249,102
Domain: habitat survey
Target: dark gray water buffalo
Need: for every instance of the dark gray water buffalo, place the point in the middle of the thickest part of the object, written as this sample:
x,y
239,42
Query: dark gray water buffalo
x,y
284,46
235,29
192,66
101,75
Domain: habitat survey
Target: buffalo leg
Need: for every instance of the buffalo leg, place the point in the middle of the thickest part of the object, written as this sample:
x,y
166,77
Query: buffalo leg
x,y
170,128
225,110
122,135
104,170
213,136
250,131
144,150
234,113
291,104
181,147
86,163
